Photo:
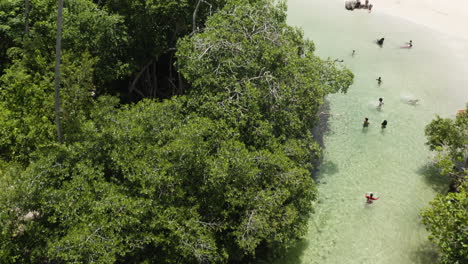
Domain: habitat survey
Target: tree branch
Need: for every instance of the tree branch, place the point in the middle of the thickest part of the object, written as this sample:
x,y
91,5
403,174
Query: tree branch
x,y
137,77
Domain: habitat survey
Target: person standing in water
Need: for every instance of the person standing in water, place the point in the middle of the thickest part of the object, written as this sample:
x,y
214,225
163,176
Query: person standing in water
x,y
384,124
381,103
379,80
366,122
354,52
371,198
410,43
380,41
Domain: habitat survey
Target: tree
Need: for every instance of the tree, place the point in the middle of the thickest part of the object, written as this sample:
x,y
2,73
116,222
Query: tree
x,y
149,187
91,45
449,138
447,220
152,38
58,51
11,32
26,17
254,64
447,217
214,176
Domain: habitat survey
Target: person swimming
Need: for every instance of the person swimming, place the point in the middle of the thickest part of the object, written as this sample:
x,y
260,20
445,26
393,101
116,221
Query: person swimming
x,y
380,41
413,101
410,43
371,198
384,124
366,122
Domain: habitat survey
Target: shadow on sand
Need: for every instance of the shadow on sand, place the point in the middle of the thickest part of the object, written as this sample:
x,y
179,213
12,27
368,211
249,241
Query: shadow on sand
x,y
433,178
319,131
321,128
326,170
291,256
426,253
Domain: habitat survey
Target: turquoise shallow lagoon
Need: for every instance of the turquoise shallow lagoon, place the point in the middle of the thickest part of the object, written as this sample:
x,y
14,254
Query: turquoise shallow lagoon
x,y
391,162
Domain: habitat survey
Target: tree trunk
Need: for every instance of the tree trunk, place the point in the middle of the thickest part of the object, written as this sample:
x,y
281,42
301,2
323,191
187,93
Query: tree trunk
x,y
57,70
194,17
170,78
181,83
137,77
26,17
155,78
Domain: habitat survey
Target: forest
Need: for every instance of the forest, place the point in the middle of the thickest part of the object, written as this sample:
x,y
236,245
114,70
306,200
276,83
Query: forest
x,y
162,131
180,132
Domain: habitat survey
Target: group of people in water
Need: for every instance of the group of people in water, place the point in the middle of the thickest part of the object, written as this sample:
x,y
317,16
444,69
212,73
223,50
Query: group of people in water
x,y
370,196
367,123
379,82
366,120
408,45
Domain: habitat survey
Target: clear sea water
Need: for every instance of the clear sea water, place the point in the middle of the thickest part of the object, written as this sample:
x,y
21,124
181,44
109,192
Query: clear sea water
x,y
394,163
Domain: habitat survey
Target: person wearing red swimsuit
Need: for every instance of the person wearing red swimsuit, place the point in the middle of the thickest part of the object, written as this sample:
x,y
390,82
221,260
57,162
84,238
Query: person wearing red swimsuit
x,y
371,198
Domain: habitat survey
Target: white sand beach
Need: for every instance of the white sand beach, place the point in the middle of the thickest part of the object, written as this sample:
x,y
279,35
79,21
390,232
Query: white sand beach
x,y
450,17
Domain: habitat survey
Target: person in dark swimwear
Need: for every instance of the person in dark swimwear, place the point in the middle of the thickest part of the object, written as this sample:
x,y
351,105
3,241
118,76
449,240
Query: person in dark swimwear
x,y
410,43
354,52
371,198
366,122
379,80
380,41
384,124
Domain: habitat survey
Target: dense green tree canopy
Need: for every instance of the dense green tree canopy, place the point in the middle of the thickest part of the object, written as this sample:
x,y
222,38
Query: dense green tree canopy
x,y
90,55
211,176
151,186
449,139
447,220
155,25
11,28
259,68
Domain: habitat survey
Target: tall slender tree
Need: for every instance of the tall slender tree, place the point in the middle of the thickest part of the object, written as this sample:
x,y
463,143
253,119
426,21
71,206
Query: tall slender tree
x,y
194,17
57,70
26,17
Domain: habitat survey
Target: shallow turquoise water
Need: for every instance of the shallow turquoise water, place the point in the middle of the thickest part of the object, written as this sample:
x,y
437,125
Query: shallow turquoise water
x,y
392,162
